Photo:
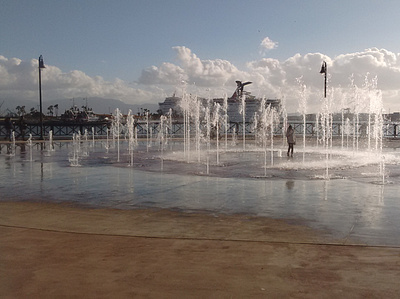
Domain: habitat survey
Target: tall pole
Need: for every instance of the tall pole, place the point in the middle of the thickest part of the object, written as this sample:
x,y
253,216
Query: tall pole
x,y
324,70
41,66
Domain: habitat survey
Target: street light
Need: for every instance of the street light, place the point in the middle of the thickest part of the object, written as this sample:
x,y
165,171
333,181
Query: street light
x,y
41,66
324,70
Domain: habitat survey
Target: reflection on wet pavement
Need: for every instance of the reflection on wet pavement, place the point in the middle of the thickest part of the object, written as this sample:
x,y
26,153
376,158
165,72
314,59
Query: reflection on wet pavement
x,y
351,209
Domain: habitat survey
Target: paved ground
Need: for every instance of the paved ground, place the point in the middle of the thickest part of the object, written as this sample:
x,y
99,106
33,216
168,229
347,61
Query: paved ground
x,y
51,251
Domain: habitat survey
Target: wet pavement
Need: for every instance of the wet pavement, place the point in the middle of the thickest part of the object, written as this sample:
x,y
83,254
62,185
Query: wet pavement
x,y
353,207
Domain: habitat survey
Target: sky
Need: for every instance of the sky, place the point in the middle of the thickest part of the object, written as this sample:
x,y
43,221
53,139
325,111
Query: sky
x,y
142,51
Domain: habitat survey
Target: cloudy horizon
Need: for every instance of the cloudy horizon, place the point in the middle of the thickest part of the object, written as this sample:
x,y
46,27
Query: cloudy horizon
x,y
271,78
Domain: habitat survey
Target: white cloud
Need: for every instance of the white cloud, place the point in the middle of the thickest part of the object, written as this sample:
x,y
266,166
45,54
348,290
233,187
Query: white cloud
x,y
266,45
167,73
205,72
197,73
19,80
271,78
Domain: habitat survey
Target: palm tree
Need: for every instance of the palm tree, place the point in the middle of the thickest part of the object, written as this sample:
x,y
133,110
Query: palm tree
x,y
20,110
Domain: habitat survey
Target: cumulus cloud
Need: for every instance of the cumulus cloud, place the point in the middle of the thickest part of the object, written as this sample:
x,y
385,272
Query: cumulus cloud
x,y
362,66
19,80
203,73
271,78
266,45
378,62
167,73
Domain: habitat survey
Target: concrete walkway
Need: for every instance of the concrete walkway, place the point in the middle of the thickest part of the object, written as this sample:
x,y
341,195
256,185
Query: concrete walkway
x,y
52,250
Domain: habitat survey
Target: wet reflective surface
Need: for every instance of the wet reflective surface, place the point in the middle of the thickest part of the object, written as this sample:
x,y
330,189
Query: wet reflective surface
x,y
348,209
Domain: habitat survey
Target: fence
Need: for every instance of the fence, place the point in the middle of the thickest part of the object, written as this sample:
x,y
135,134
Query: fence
x,y
144,129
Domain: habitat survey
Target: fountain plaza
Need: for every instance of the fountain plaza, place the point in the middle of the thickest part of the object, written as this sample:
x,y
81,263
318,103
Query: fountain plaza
x,y
348,193
342,180
217,204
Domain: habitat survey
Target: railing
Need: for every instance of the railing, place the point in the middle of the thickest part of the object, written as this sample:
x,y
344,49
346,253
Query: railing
x,y
66,130
60,130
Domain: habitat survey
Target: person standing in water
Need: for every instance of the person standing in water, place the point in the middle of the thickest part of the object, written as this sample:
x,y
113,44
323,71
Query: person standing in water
x,y
291,140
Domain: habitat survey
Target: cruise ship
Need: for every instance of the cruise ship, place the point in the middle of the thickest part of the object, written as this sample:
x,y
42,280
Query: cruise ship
x,y
234,103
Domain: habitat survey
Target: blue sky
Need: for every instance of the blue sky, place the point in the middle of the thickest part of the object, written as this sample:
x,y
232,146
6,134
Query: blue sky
x,y
119,40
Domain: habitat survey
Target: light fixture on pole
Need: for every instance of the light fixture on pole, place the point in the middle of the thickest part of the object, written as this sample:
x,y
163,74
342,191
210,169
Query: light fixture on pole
x,y
41,66
324,70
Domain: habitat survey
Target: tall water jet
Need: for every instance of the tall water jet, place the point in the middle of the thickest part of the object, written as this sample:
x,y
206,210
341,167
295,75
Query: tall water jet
x,y
85,147
135,131
116,128
303,108
357,108
375,118
11,147
216,125
347,131
265,127
284,120
197,122
93,133
76,141
151,136
50,145
170,112
225,109
242,110
326,120
208,136
343,106
273,119
317,131
262,131
376,122
234,137
162,137
326,128
30,145
382,171
185,106
255,127
130,124
107,146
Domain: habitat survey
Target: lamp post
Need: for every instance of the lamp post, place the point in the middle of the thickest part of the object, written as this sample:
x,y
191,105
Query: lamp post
x,y
324,70
328,122
41,66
